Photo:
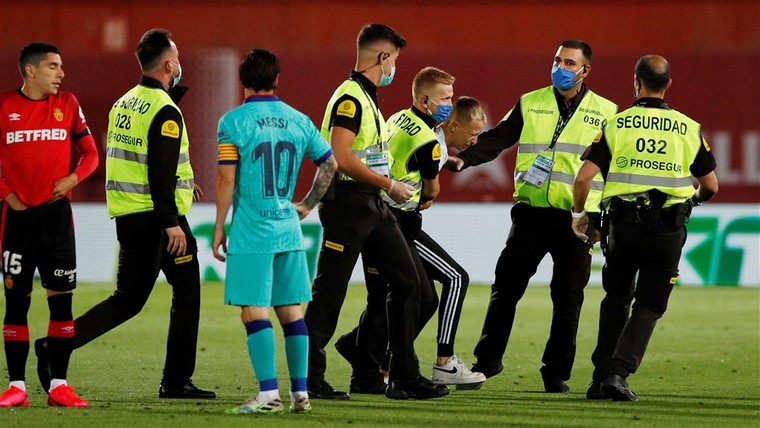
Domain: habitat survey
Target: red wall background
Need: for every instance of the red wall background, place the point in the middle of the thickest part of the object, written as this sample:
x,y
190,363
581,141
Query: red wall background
x,y
497,51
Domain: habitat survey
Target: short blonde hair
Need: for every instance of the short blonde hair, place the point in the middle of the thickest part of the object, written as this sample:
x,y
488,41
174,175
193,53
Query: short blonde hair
x,y
426,79
467,109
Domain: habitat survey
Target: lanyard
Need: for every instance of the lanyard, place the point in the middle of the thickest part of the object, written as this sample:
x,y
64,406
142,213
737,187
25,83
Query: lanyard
x,y
375,112
561,125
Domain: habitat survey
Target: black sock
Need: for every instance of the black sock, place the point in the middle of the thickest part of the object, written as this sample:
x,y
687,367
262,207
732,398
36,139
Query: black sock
x,y
60,334
16,335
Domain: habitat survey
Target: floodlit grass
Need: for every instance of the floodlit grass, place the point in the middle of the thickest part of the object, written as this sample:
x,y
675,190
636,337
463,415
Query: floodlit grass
x,y
702,369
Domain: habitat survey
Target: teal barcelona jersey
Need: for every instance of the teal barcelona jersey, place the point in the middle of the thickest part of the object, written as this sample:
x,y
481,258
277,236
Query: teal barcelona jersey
x,y
271,139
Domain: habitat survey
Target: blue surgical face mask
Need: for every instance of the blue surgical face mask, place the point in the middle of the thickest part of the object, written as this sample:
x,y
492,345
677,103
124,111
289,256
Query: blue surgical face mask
x,y
564,79
386,80
177,78
443,113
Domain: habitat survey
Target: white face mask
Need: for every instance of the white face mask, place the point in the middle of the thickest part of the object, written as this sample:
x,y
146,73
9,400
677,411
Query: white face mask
x,y
386,79
178,77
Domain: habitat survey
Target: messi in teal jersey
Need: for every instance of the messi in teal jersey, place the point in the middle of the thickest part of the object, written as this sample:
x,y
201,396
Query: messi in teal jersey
x,y
261,144
270,138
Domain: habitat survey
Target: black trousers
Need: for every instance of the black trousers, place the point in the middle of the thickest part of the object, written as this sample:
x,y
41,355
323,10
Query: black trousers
x,y
368,340
142,253
654,256
437,265
355,220
536,232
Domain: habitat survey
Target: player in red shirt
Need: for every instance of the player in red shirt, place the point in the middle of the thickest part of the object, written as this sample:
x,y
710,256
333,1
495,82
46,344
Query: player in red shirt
x,y
38,123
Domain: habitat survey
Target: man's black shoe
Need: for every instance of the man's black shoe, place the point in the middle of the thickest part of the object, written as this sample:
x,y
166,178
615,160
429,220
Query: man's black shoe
x,y
616,387
185,390
368,385
553,383
43,363
320,389
346,348
418,388
596,392
488,369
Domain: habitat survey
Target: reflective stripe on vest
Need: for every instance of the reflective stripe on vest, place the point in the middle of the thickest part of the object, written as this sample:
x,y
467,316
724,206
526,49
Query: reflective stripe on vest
x,y
113,152
408,133
540,116
144,189
127,188
657,156
366,140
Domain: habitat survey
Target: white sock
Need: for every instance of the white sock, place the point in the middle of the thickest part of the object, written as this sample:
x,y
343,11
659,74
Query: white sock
x,y
301,393
20,384
55,383
267,396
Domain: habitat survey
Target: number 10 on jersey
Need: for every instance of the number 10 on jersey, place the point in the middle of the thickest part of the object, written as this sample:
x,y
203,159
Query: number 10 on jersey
x,y
278,165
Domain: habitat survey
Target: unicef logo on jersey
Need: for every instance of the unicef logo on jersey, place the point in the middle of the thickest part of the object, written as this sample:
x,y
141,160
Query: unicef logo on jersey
x,y
621,162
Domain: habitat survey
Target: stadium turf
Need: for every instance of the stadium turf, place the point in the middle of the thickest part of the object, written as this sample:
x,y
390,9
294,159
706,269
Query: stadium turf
x,y
702,370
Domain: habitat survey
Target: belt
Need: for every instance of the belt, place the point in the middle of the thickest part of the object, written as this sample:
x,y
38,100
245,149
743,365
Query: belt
x,y
355,187
624,212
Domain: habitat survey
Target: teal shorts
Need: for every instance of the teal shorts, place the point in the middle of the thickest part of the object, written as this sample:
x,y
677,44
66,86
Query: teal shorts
x,y
266,280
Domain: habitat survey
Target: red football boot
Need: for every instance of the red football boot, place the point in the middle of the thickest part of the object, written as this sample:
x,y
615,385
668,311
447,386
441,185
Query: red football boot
x,y
14,397
64,396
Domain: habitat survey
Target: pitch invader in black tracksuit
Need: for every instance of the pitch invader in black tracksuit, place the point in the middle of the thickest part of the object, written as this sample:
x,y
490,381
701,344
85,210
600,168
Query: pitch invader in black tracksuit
x,y
417,161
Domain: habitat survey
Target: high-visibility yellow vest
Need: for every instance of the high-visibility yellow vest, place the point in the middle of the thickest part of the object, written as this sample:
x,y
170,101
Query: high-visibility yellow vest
x,y
651,148
127,188
372,135
408,132
541,115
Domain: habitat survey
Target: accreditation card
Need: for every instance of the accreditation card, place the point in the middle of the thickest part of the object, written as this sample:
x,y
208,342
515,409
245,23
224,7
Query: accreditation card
x,y
378,162
540,169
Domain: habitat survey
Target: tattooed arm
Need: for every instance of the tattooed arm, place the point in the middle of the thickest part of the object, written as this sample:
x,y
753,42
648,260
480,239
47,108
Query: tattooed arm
x,y
322,181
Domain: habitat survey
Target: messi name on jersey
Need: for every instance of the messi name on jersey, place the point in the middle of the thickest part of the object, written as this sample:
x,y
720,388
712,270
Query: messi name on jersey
x,y
31,135
272,122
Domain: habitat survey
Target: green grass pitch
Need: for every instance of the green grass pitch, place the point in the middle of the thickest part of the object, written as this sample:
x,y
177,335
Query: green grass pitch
x,y
702,369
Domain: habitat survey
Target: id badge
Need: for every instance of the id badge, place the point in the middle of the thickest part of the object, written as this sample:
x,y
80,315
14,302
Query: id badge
x,y
539,171
378,162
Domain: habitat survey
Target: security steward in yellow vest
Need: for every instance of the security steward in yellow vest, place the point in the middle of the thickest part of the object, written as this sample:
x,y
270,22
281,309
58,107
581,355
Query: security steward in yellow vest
x,y
553,127
149,190
648,155
355,218
416,154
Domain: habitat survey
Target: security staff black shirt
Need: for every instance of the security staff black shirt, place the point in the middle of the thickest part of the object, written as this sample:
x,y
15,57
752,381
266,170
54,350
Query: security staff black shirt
x,y
353,124
163,155
600,154
507,133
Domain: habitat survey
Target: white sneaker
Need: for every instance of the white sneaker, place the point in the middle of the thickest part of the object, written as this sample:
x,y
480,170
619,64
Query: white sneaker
x,y
299,402
257,405
454,372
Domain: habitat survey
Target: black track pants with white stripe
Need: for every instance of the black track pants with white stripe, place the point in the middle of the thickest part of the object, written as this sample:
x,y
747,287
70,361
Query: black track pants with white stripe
x,y
441,267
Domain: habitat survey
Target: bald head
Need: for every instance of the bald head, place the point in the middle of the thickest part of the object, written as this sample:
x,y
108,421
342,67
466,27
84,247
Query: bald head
x,y
653,71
